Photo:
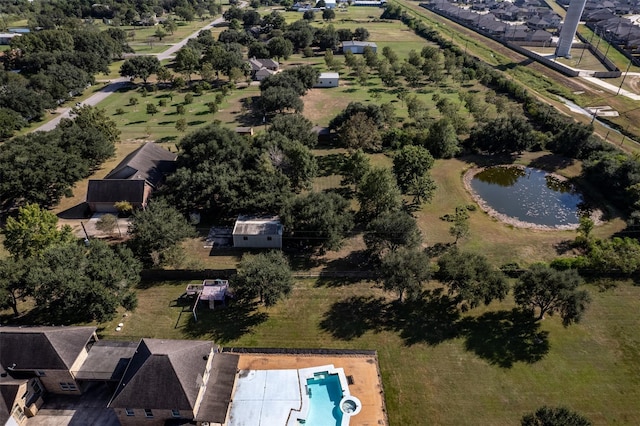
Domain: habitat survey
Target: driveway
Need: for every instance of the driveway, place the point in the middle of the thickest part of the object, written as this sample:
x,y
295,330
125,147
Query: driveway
x,y
87,409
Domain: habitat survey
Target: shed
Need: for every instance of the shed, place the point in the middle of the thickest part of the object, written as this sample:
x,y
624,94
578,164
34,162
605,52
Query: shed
x,y
358,46
257,232
245,131
328,79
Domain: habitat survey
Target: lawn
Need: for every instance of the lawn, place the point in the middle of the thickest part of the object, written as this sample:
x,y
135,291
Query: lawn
x,y
484,371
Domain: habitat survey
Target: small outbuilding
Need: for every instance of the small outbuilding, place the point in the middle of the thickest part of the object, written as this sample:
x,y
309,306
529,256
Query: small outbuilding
x,y
328,79
257,232
358,46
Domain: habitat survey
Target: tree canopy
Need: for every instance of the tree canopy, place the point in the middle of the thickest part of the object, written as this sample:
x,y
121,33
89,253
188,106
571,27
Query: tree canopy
x,y
411,167
264,275
318,219
140,67
471,277
404,271
42,167
378,193
390,231
157,229
554,416
551,291
221,171
33,231
74,283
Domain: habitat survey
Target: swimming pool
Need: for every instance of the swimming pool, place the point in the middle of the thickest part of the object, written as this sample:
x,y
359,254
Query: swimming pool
x,y
325,393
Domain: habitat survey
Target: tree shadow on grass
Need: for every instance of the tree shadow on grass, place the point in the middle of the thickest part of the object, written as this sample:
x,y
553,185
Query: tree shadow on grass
x,y
195,122
354,316
505,337
226,324
552,162
330,164
350,269
431,319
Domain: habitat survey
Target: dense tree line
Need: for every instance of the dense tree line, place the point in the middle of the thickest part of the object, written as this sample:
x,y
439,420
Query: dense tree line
x,y
49,15
42,167
55,65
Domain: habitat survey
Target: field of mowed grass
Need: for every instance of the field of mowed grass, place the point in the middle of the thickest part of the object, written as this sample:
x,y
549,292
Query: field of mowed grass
x,y
135,123
487,367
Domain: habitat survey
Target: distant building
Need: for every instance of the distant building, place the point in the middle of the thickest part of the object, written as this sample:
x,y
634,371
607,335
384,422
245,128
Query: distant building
x,y
5,38
244,131
330,4
263,68
257,232
358,46
132,180
328,79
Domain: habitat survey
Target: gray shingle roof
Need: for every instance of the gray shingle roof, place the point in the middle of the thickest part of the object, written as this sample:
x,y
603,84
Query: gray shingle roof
x,y
163,374
42,348
217,397
149,162
114,190
7,397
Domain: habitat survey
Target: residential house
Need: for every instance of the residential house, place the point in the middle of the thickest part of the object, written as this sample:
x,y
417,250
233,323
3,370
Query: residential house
x,y
328,79
257,232
20,398
262,68
132,180
52,354
178,380
358,46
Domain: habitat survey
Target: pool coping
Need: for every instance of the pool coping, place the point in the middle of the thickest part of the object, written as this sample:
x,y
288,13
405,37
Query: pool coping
x,y
309,373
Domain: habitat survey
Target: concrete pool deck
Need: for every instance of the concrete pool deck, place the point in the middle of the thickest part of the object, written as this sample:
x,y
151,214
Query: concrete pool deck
x,y
367,385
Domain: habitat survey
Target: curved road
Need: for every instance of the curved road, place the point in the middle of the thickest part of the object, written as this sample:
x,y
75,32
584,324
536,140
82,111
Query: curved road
x,y
118,83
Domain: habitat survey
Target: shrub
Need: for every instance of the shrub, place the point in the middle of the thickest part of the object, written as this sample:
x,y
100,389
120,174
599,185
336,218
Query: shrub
x,y
188,98
133,101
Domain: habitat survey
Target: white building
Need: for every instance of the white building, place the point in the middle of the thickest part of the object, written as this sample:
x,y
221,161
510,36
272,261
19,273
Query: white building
x,y
257,232
358,46
328,79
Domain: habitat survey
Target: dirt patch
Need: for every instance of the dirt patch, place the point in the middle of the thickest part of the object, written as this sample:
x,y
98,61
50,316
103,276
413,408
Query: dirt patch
x,y
596,215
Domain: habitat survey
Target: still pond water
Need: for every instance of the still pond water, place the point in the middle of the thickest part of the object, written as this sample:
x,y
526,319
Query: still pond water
x,y
529,195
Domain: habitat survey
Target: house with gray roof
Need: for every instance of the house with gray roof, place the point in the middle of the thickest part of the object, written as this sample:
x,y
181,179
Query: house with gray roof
x,y
35,360
262,68
170,380
133,180
53,354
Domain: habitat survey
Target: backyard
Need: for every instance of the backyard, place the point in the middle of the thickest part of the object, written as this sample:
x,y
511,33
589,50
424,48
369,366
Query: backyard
x,y
487,367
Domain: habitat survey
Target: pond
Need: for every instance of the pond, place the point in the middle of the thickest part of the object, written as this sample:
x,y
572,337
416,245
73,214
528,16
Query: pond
x,y
526,196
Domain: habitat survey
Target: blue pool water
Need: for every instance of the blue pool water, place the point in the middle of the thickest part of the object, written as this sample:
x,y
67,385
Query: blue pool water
x,y
325,395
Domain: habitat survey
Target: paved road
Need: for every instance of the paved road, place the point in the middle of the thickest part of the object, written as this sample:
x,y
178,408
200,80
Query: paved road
x,y
173,49
121,82
92,100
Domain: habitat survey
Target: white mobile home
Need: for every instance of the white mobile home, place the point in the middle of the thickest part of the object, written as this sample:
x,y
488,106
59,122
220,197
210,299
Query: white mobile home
x,y
257,232
328,79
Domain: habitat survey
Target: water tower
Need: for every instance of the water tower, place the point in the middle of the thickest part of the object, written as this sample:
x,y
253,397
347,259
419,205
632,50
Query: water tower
x,y
569,28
